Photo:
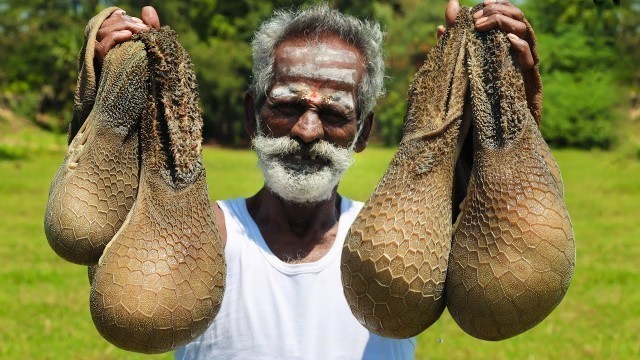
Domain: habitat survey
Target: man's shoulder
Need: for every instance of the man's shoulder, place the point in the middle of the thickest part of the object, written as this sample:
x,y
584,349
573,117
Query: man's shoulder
x,y
231,207
350,204
231,200
226,208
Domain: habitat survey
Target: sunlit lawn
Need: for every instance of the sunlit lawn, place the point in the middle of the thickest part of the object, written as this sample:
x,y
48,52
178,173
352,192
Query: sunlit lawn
x,y
44,311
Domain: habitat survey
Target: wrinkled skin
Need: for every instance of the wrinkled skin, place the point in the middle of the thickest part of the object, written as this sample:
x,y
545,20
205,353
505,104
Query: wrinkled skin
x,y
160,281
513,251
512,255
96,185
132,193
394,261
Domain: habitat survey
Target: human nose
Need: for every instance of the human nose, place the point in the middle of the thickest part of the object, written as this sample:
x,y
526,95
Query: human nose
x,y
308,128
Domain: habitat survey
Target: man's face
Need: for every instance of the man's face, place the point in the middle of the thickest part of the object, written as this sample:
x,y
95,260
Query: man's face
x,y
308,123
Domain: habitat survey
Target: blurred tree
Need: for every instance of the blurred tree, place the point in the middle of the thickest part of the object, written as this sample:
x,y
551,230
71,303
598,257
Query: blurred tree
x,y
411,32
629,47
217,35
40,41
587,49
579,64
222,55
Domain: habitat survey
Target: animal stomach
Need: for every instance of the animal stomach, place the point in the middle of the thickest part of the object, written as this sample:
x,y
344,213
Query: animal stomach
x,y
160,281
513,252
394,260
96,185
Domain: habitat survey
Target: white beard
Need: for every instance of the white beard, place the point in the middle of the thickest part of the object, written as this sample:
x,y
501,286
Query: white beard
x,y
296,180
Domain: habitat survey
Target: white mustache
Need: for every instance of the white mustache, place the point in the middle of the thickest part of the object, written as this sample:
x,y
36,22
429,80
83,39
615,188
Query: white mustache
x,y
306,183
340,158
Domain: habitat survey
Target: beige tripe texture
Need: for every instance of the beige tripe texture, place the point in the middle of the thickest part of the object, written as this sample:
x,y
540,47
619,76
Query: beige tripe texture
x,y
513,254
160,280
96,184
513,251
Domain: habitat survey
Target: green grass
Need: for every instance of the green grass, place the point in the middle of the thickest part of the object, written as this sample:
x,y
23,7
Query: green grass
x,y
44,311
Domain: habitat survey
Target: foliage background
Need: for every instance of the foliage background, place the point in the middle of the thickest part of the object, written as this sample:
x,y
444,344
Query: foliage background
x,y
590,53
590,50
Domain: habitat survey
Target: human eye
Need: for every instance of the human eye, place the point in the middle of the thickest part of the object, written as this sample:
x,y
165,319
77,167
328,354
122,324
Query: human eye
x,y
334,117
289,108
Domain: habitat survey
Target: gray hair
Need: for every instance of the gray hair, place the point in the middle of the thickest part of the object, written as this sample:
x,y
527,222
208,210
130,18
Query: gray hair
x,y
318,20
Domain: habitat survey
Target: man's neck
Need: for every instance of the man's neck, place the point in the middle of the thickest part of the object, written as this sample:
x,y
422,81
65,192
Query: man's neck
x,y
296,232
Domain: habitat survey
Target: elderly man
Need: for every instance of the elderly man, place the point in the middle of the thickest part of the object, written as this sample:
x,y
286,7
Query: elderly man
x,y
317,76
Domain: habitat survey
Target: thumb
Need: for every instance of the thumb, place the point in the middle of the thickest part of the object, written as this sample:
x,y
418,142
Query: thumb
x,y
441,30
150,17
453,7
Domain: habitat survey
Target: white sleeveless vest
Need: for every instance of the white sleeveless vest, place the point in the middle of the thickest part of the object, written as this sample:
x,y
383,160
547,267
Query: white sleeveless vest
x,y
275,310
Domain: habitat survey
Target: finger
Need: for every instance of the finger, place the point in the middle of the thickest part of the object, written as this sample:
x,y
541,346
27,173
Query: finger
x,y
115,16
453,8
508,10
113,19
118,12
122,24
111,40
121,14
524,52
490,2
503,23
150,17
441,30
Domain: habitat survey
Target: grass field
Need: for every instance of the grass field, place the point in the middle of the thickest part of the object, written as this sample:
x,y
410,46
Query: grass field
x,y
44,311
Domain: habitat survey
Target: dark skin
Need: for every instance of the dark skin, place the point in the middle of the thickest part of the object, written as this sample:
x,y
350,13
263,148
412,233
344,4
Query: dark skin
x,y
305,233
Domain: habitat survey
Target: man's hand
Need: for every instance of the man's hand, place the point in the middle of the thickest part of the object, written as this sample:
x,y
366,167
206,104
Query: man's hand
x,y
120,27
499,14
509,18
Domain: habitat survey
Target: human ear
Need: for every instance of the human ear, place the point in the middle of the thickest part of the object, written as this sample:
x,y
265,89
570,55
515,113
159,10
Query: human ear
x,y
250,123
367,124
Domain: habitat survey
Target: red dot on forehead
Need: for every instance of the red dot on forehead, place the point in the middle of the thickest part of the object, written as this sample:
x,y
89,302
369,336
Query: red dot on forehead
x,y
312,97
